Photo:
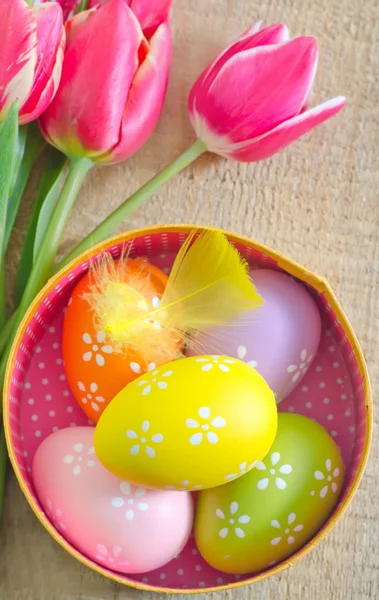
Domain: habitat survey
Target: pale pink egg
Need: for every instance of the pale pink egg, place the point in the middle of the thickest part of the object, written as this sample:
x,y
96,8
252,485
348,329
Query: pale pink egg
x,y
125,528
281,338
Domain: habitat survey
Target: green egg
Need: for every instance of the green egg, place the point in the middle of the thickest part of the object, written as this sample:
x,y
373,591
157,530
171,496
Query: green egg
x,y
266,515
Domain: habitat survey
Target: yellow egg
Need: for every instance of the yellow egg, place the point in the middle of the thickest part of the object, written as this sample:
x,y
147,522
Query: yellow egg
x,y
191,424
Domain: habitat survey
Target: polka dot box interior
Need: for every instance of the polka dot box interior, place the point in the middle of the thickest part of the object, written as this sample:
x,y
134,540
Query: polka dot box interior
x,y
38,401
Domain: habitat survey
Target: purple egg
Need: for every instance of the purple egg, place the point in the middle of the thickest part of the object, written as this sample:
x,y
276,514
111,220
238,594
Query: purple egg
x,y
279,339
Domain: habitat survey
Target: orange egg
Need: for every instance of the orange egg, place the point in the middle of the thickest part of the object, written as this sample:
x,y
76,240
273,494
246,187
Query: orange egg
x,y
96,370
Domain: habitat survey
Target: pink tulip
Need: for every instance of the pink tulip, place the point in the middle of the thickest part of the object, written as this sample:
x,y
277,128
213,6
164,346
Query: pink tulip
x,y
31,52
112,87
150,13
252,101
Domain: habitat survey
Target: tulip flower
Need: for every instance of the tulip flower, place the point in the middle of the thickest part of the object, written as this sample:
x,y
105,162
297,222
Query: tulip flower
x,y
252,101
149,13
108,112
31,58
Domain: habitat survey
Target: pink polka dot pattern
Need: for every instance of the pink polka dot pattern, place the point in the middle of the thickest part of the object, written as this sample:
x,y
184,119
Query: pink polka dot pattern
x,y
40,402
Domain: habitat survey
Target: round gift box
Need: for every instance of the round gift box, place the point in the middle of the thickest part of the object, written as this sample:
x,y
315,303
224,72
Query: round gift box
x,y
37,400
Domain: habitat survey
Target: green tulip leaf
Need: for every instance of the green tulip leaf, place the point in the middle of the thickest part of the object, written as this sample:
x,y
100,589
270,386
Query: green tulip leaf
x,y
33,143
49,187
8,164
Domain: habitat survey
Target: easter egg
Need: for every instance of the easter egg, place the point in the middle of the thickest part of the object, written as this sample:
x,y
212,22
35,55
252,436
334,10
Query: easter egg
x,y
282,336
188,424
125,528
269,513
95,370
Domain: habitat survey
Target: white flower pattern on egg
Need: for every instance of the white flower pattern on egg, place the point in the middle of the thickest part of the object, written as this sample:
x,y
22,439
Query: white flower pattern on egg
x,y
155,303
110,556
79,457
217,362
144,441
131,499
275,471
299,370
152,381
242,468
136,367
328,478
185,486
97,350
206,425
287,532
55,515
241,354
88,396
233,522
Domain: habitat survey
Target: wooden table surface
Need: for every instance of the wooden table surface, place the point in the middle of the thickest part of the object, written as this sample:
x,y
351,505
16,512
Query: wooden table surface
x,y
317,202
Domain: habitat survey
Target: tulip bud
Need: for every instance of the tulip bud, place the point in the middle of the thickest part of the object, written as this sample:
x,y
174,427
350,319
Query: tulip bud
x,y
251,101
108,103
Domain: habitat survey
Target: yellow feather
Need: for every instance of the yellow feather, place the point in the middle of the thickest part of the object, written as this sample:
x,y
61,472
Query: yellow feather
x,y
209,286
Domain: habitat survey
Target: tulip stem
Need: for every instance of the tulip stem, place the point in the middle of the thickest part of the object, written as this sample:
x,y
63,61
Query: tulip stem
x,y
83,5
45,258
108,226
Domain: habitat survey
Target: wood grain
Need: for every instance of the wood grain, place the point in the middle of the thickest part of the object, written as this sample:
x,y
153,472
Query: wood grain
x,y
317,202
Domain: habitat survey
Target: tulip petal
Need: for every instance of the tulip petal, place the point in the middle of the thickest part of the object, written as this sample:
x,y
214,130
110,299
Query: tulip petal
x,y
18,54
150,14
258,89
96,3
85,116
254,28
253,37
146,97
283,135
74,25
50,49
68,7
